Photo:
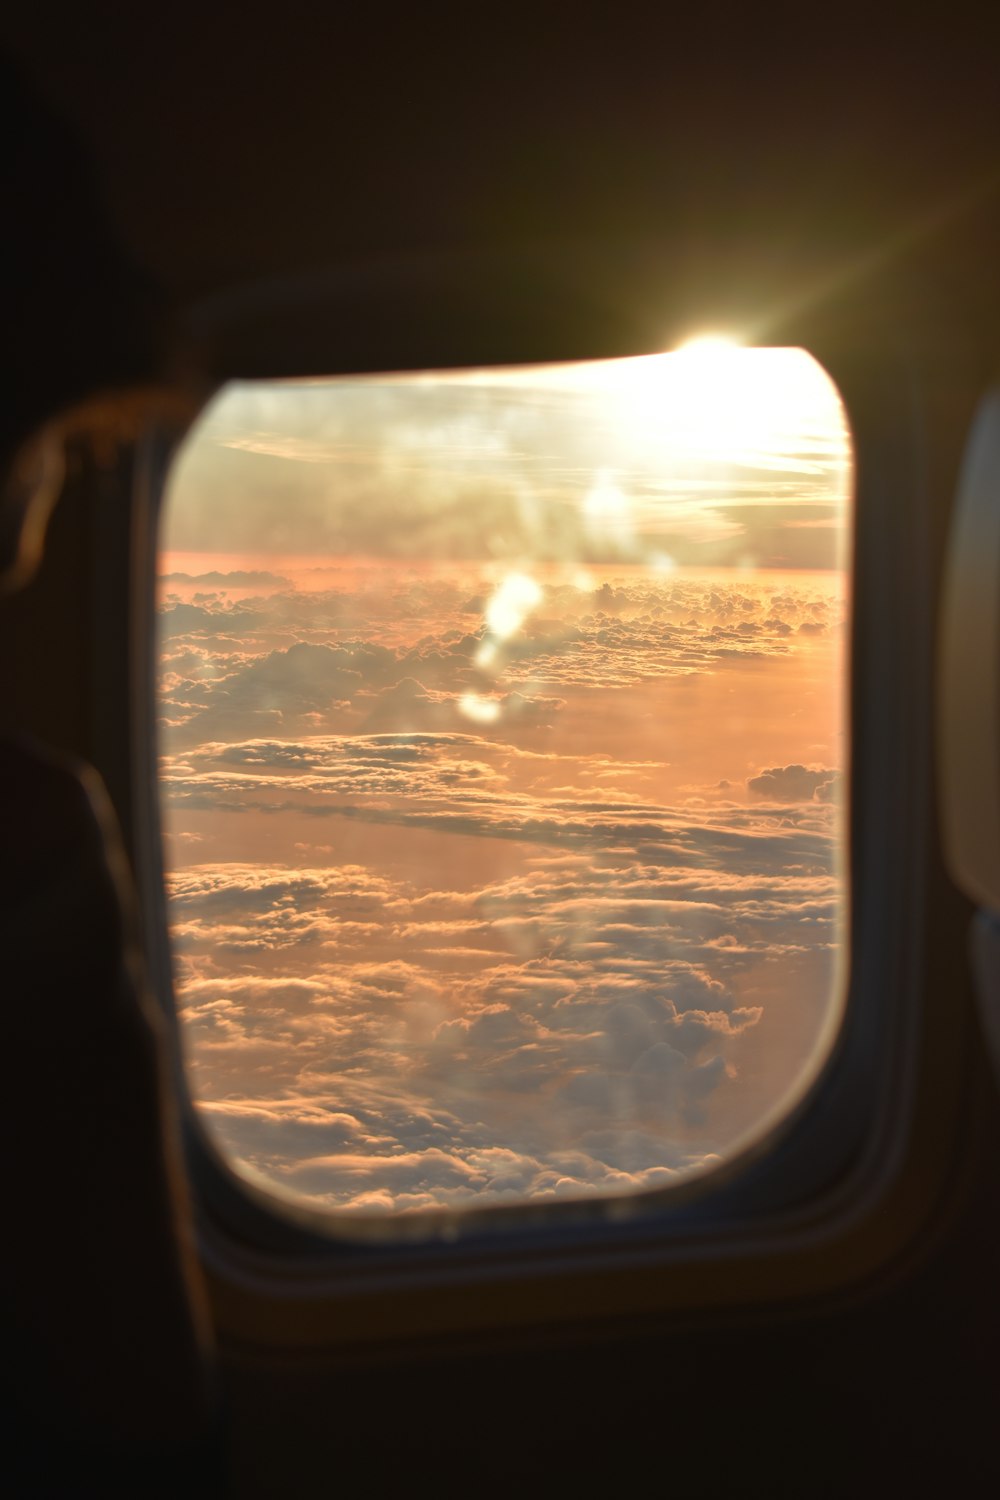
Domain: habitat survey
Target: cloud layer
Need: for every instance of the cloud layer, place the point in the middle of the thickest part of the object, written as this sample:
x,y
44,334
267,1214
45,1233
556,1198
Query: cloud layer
x,y
469,907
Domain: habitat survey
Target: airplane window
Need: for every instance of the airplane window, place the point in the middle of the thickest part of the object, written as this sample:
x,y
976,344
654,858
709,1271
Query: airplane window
x,y
503,744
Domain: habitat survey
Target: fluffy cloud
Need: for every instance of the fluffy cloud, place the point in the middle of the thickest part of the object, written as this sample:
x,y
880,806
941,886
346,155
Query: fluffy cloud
x,y
419,652
432,956
795,784
569,1007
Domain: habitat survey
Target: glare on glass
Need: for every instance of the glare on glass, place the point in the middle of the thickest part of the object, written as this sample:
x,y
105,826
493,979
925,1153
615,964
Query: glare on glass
x,y
502,720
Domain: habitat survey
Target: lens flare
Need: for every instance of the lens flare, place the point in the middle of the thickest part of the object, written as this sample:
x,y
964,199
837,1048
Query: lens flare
x,y
510,606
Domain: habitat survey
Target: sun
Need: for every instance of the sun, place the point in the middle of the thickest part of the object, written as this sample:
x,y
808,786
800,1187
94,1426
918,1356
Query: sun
x,y
711,399
716,399
708,346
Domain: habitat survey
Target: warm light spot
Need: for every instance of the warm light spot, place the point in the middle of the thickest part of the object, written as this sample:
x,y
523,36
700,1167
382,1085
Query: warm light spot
x,y
606,502
609,515
480,710
510,606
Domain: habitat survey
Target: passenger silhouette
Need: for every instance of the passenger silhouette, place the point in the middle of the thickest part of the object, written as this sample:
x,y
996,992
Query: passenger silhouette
x,y
108,1375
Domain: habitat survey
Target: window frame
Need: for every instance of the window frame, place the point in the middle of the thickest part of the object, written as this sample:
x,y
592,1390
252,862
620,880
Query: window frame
x,y
855,1175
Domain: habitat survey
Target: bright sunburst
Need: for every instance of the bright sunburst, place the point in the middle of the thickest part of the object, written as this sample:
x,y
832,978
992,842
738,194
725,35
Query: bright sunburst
x,y
712,399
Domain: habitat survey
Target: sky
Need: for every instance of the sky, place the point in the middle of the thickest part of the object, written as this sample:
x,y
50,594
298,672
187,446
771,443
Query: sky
x,y
503,754
710,457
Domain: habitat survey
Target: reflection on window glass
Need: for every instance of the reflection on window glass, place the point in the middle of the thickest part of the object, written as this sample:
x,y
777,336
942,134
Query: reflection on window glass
x,y
503,742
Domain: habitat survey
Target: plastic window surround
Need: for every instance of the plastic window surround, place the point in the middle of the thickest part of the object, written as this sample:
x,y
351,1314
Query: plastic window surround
x,y
817,1179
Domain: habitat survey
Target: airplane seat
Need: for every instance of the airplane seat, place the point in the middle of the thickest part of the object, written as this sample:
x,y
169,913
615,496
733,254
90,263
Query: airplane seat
x,y
108,1336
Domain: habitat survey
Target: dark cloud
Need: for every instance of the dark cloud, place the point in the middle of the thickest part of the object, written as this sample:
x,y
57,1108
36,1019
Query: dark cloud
x,y
209,620
237,579
794,784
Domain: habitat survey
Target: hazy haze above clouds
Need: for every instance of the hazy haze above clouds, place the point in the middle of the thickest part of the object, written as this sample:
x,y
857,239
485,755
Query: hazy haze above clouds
x,y
730,458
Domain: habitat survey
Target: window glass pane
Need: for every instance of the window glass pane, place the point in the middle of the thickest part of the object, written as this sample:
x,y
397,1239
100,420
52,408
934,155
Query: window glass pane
x,y
502,723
